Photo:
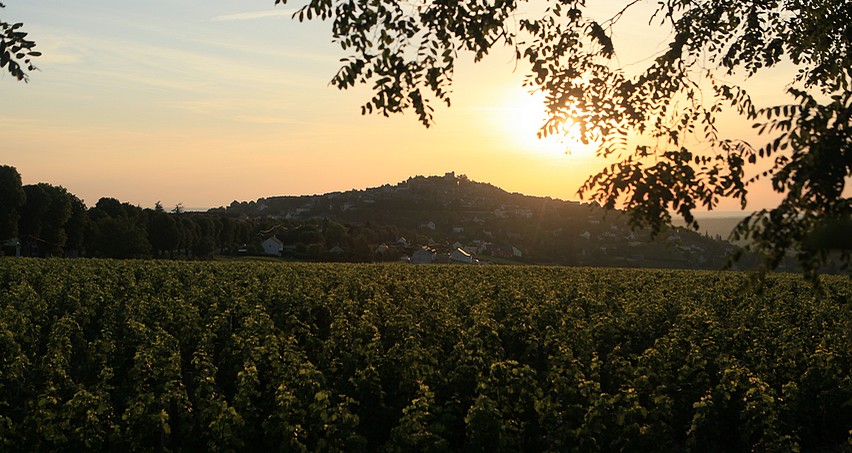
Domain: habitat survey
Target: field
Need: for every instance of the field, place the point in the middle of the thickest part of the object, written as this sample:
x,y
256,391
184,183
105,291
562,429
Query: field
x,y
99,355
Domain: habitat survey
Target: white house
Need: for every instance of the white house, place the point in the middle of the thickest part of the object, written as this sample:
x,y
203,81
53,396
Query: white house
x,y
272,246
460,256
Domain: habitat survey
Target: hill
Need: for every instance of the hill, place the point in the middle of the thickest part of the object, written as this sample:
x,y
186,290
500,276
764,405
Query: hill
x,y
451,211
721,226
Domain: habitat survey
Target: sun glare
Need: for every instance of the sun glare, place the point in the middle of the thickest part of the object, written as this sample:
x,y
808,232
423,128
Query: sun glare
x,y
523,116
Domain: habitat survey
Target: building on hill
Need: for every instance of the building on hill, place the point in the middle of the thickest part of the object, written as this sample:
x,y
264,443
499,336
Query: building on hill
x,y
423,255
460,256
10,247
272,246
498,251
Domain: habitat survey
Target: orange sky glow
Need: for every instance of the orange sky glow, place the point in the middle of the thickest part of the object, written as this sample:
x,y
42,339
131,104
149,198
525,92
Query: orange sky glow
x,y
202,103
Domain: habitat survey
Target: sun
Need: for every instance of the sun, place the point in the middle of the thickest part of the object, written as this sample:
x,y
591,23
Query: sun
x,y
523,114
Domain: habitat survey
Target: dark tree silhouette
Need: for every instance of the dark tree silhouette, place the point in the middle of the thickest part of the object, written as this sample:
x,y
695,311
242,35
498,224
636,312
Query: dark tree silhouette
x,y
12,196
43,217
16,51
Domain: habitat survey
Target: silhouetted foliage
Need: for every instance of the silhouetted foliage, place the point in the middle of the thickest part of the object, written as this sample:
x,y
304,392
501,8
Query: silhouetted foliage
x,y
117,230
75,226
163,233
16,51
120,237
11,197
43,217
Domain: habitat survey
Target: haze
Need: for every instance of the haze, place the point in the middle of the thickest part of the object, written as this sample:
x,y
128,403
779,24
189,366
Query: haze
x,y
203,102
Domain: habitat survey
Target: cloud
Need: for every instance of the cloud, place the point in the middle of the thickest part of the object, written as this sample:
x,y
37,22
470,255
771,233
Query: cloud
x,y
252,15
267,119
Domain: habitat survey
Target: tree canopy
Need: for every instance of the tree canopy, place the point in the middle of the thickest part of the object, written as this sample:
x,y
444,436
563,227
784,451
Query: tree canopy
x,y
44,214
407,51
12,196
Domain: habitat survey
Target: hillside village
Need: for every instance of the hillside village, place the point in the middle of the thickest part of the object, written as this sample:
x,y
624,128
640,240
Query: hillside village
x,y
449,218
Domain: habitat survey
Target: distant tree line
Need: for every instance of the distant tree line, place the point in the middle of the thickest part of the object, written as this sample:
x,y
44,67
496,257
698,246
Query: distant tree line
x,y
47,220
43,220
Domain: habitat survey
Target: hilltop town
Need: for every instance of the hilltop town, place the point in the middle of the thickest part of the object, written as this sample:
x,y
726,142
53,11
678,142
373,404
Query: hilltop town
x,y
450,218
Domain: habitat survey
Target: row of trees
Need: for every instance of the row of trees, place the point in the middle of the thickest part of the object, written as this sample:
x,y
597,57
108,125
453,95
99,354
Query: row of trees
x,y
48,220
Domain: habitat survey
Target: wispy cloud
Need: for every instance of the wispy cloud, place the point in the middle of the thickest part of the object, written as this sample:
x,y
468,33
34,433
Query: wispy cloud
x,y
252,15
185,68
246,47
256,119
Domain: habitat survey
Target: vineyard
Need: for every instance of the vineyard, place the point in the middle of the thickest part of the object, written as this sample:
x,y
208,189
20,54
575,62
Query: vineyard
x,y
99,355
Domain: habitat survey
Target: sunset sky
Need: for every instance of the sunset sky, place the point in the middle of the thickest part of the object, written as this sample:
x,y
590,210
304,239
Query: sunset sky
x,y
204,102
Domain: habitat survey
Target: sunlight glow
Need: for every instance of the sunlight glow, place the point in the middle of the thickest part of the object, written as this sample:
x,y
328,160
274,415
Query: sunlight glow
x,y
523,116
202,106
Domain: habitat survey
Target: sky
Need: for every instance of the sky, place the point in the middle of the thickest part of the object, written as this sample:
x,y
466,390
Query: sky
x,y
204,102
